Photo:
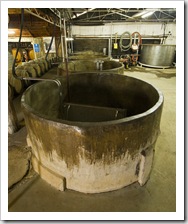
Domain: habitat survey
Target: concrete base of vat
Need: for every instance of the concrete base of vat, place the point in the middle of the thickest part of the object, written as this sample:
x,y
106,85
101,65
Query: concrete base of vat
x,y
93,178
54,179
77,182
145,166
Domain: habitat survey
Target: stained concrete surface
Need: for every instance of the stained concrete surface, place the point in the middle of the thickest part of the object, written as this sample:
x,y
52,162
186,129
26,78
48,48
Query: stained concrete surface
x,y
32,194
18,164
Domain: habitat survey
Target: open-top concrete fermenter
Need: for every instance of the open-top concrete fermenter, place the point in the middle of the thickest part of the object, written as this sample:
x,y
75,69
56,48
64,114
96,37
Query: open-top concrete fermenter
x,y
97,135
91,66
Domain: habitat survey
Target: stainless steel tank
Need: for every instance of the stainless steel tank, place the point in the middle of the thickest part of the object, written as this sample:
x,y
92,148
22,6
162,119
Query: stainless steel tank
x,y
99,137
157,55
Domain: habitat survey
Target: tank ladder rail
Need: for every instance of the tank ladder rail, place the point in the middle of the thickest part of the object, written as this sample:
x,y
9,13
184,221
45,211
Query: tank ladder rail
x,y
50,80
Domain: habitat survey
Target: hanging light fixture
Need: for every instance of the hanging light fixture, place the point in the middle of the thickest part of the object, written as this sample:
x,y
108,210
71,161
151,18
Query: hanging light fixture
x,y
147,14
139,13
69,38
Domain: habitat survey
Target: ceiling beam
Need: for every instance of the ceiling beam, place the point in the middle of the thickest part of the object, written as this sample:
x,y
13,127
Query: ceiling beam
x,y
56,12
167,14
121,14
94,17
37,13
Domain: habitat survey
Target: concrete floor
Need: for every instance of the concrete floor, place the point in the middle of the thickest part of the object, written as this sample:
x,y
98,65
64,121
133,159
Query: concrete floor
x,y
32,194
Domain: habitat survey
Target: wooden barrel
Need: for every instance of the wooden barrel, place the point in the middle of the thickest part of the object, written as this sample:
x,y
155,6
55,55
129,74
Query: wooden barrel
x,y
31,54
21,72
30,69
53,60
10,91
17,84
45,64
36,67
49,63
19,55
10,60
42,66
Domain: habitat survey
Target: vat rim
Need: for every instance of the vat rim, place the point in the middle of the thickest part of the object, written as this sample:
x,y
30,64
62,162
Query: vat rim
x,y
154,108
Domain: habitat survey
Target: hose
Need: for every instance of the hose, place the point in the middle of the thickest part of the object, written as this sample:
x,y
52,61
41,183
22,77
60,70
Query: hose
x,y
164,28
18,47
126,47
139,37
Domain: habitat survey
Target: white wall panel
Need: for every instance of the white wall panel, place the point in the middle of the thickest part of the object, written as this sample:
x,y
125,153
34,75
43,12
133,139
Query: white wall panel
x,y
143,28
23,39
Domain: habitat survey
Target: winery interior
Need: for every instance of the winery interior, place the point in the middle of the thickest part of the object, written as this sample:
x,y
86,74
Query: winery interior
x,y
92,109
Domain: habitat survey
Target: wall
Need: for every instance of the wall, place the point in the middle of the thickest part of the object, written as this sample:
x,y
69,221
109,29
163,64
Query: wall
x,y
88,44
145,29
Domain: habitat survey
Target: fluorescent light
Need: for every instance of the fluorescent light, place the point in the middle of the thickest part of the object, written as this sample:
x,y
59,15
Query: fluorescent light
x,y
11,32
139,13
69,38
147,14
88,10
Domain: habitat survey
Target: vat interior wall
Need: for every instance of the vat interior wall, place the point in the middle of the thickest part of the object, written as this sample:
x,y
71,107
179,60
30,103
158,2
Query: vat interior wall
x,y
33,194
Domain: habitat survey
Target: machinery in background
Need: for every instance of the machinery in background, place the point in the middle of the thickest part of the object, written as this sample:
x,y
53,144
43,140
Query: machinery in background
x,y
157,55
129,45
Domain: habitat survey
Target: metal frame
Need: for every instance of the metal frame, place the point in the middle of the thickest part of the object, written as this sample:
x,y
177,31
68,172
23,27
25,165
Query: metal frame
x,y
45,17
161,15
102,15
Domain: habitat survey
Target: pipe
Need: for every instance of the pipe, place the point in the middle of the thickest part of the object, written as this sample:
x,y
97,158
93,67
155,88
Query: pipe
x,y
111,40
109,45
97,65
66,58
62,46
50,42
30,78
101,65
139,38
71,37
65,42
18,47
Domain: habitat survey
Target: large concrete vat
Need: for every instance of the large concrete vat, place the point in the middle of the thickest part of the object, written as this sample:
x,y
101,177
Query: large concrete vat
x,y
88,55
91,66
107,147
157,55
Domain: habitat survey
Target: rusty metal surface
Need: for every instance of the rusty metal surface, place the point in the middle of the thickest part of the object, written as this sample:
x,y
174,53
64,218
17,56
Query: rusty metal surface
x,y
94,145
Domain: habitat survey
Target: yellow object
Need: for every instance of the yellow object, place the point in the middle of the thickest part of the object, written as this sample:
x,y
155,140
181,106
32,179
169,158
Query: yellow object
x,y
31,54
19,55
116,44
